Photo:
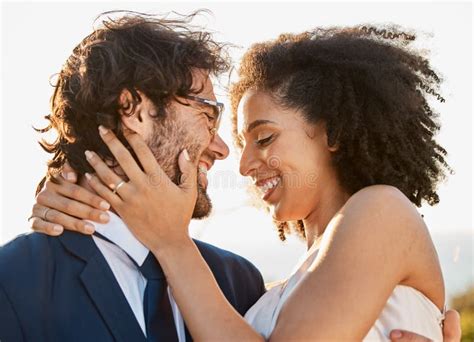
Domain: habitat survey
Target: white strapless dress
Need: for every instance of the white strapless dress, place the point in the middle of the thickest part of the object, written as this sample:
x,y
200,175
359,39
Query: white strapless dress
x,y
406,308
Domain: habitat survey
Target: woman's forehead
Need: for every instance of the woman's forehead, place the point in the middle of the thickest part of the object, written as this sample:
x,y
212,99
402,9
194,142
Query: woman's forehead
x,y
254,105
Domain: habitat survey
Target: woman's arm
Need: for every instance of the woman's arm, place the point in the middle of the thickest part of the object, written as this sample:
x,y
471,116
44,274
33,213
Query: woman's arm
x,y
207,313
64,205
367,249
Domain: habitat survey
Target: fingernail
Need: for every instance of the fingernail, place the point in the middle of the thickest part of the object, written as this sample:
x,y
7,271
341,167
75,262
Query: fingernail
x,y
104,218
89,228
104,205
71,176
88,154
186,155
396,334
89,177
57,228
103,130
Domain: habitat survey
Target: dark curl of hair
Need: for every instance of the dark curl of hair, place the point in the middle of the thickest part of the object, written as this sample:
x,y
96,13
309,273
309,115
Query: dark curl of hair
x,y
134,52
370,90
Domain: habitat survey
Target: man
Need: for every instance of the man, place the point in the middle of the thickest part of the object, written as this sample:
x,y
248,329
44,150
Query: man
x,y
144,75
150,77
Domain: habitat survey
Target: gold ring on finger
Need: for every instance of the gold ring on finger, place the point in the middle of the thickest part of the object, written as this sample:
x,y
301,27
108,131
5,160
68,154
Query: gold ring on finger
x,y
117,187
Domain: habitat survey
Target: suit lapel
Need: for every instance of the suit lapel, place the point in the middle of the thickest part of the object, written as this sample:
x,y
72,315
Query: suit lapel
x,y
103,288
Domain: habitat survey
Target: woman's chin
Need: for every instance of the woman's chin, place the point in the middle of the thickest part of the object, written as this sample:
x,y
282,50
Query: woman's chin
x,y
282,214
278,213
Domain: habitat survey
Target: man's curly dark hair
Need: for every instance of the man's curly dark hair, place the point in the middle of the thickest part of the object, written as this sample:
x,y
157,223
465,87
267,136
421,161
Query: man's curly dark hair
x,y
370,90
129,51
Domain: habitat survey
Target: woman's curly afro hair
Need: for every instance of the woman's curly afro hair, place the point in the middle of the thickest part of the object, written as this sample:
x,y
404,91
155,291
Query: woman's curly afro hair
x,y
370,89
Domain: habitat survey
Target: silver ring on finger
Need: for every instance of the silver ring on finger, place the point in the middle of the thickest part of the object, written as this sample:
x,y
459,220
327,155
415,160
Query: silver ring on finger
x,y
117,187
45,213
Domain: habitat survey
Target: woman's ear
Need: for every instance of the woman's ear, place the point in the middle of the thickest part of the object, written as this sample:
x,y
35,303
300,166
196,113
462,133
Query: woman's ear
x,y
332,145
333,148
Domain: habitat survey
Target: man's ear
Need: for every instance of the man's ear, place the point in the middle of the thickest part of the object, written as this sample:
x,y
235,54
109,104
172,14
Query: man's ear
x,y
130,116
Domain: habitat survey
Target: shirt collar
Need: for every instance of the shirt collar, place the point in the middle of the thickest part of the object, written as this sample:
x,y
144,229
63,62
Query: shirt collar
x,y
117,231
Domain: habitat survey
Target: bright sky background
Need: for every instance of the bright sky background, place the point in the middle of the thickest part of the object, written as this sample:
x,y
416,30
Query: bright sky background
x,y
38,37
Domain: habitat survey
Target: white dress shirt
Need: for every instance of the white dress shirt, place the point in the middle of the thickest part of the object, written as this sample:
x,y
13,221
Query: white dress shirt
x,y
131,281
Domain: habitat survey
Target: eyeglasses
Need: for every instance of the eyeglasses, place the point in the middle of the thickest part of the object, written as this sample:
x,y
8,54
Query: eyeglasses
x,y
218,109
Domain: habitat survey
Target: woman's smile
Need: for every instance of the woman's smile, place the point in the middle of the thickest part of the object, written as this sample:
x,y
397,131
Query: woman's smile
x,y
269,186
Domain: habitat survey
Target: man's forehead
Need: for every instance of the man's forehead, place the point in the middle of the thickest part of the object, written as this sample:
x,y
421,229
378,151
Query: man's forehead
x,y
202,81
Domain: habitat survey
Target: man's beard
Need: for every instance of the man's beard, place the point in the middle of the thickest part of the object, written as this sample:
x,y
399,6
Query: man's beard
x,y
166,143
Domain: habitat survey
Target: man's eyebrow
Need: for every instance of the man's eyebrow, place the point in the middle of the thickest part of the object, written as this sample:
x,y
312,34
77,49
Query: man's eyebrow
x,y
257,123
207,105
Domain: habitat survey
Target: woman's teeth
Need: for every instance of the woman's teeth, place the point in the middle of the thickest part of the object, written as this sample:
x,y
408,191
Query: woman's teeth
x,y
270,184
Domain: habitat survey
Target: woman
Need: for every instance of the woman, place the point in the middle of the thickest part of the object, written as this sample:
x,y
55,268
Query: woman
x,y
351,102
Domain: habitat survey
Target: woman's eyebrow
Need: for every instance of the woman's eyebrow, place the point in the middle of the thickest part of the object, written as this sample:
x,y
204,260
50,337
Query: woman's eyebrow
x,y
257,123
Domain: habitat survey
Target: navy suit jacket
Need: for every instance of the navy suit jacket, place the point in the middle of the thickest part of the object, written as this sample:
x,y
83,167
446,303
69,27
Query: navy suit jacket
x,y
62,289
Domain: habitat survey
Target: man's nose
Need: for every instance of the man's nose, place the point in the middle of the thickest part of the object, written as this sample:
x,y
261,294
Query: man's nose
x,y
219,147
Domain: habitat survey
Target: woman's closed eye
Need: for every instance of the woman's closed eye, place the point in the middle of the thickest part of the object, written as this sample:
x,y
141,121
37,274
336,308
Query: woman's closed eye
x,y
265,141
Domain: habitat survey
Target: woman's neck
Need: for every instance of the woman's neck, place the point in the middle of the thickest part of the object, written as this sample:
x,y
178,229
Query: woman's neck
x,y
316,222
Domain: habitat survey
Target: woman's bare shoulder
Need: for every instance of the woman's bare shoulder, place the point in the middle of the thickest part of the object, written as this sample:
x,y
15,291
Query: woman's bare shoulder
x,y
387,208
377,223
386,217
